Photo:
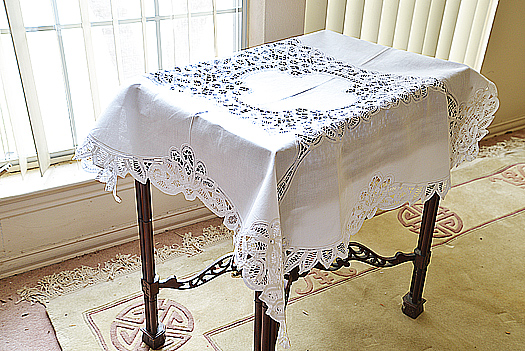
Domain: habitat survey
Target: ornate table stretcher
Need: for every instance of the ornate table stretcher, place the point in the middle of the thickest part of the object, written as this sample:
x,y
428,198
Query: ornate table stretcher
x,y
294,144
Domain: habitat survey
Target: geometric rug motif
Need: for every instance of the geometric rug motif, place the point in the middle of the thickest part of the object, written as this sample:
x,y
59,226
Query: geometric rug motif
x,y
322,278
128,319
447,224
514,175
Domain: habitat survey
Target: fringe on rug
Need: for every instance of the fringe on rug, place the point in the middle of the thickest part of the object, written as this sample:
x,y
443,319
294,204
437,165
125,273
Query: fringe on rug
x,y
58,284
503,148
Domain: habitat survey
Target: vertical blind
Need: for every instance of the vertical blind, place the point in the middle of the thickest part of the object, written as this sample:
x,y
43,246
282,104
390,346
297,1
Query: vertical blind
x,y
456,30
61,61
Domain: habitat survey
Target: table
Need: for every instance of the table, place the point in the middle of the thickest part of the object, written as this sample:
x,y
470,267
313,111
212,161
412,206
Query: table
x,y
294,144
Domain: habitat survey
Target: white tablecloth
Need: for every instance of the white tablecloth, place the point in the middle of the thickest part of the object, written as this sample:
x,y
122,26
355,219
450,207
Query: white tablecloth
x,y
295,143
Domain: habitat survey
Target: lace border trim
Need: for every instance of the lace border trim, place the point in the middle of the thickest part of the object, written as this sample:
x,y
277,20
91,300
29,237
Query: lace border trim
x,y
469,122
179,172
382,193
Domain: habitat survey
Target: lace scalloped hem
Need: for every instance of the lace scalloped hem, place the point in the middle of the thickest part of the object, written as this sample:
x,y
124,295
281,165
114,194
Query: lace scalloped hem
x,y
469,122
178,172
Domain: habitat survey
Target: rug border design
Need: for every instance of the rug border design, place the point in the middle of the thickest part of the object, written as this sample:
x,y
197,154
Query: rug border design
x,y
91,323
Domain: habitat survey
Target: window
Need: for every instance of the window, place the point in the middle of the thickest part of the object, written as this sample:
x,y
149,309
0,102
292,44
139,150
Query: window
x,y
61,62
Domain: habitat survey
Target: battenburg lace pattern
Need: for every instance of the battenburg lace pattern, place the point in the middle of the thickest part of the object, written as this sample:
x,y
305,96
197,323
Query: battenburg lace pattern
x,y
178,172
381,193
222,81
469,122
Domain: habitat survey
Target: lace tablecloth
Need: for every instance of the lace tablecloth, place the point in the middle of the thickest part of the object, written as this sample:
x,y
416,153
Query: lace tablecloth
x,y
295,143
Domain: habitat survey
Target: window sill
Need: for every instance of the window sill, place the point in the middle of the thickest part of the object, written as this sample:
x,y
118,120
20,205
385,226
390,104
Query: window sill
x,y
63,174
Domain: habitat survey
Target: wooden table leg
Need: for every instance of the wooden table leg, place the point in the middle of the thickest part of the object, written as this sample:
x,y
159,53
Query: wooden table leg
x,y
265,329
274,329
269,332
257,323
413,301
154,333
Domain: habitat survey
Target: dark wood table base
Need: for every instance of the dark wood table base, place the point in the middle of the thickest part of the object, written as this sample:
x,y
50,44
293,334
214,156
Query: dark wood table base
x,y
265,328
154,332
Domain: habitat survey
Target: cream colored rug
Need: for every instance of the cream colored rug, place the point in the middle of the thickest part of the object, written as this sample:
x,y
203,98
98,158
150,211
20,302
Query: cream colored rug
x,y
475,286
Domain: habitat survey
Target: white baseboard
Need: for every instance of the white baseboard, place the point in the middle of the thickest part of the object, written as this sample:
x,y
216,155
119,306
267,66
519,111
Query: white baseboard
x,y
44,256
506,126
42,227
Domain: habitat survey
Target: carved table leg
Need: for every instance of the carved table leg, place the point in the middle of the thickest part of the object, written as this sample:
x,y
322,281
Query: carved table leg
x,y
413,301
154,333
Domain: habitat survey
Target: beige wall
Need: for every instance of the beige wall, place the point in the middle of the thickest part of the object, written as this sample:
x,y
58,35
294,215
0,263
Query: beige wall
x,y
272,20
49,226
505,64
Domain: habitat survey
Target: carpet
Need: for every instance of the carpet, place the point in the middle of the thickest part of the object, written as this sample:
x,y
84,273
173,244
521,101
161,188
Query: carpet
x,y
475,289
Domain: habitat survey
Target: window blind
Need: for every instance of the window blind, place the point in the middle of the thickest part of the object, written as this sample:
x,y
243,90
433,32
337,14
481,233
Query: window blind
x,y
61,61
456,30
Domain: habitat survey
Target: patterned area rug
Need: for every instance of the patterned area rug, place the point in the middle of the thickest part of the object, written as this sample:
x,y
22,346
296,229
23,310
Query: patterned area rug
x,y
475,287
